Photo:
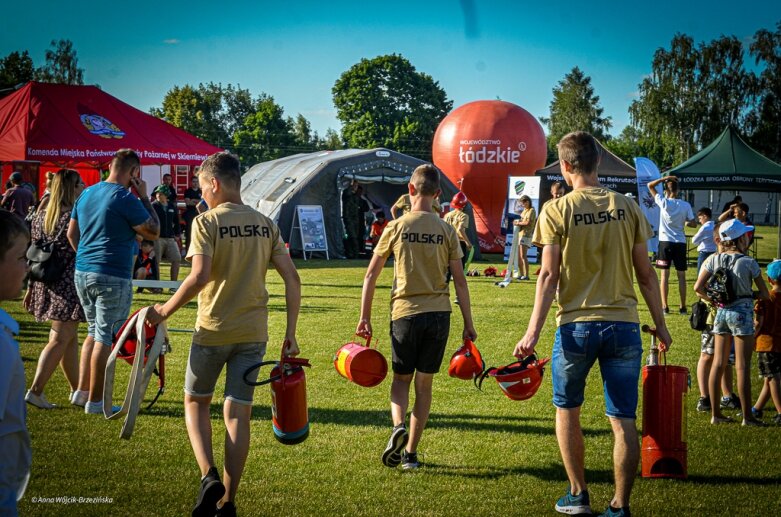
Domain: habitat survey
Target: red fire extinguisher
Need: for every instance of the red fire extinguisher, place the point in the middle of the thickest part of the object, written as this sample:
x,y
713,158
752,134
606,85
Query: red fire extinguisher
x,y
664,447
289,413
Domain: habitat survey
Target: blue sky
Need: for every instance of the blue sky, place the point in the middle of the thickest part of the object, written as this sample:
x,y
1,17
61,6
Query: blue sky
x,y
294,51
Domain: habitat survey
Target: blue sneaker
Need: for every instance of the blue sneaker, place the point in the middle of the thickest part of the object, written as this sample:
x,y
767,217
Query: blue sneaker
x,y
617,512
574,504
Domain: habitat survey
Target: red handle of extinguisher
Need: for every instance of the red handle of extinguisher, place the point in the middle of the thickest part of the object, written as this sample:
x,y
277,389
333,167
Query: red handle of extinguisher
x,y
368,340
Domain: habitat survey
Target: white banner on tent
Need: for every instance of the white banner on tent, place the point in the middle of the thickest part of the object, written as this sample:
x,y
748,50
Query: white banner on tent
x,y
518,186
647,171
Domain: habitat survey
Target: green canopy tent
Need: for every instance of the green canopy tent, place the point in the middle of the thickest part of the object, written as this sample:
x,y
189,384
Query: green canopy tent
x,y
728,163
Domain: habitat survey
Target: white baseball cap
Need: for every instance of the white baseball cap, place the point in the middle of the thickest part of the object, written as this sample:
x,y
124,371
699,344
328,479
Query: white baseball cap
x,y
731,230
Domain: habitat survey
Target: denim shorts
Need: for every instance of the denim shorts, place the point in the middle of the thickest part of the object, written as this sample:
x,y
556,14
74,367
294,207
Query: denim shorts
x,y
737,319
205,363
618,347
106,301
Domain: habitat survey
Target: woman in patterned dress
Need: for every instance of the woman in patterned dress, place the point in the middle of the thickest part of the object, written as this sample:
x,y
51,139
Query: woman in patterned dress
x,y
57,302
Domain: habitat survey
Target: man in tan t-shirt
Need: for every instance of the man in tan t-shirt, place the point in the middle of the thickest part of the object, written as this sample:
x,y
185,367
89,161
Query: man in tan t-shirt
x,y
423,246
232,247
593,239
403,205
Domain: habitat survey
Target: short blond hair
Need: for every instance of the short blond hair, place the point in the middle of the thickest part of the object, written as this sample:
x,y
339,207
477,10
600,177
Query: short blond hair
x,y
224,166
580,150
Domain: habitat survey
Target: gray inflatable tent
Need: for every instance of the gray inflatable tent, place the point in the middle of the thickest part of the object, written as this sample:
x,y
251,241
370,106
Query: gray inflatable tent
x,y
274,188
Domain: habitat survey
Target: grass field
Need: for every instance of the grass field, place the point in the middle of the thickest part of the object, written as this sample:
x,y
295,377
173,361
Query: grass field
x,y
483,453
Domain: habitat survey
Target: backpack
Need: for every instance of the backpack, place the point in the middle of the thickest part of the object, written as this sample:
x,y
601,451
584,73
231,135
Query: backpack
x,y
698,319
43,260
720,287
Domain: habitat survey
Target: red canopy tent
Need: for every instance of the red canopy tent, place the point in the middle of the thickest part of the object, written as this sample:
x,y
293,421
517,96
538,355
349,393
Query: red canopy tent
x,y
48,126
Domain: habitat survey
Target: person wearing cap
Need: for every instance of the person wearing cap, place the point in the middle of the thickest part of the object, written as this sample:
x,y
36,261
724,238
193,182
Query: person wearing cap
x,y
768,344
734,319
18,199
166,247
675,213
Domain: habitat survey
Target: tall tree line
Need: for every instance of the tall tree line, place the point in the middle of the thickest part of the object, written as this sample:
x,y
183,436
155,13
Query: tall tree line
x,y
61,66
693,92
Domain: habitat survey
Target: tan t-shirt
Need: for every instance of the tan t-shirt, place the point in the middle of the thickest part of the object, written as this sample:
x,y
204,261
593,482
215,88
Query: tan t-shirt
x,y
423,245
405,204
531,216
596,229
458,219
232,307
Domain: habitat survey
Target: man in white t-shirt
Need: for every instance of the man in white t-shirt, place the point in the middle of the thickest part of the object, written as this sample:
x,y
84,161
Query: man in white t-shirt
x,y
675,213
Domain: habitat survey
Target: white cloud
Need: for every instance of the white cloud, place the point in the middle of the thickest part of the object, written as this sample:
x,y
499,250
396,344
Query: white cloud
x,y
171,41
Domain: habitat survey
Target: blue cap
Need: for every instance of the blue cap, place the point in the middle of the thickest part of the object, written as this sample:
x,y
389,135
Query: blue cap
x,y
774,270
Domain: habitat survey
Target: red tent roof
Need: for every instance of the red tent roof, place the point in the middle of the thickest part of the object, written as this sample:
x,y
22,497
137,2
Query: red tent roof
x,y
65,124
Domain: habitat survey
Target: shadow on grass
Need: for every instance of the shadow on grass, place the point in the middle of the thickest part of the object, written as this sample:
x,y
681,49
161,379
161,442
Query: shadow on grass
x,y
731,480
369,417
552,472
346,286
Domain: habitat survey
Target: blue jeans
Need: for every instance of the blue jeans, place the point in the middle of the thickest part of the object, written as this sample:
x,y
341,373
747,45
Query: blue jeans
x,y
701,256
736,319
106,301
618,347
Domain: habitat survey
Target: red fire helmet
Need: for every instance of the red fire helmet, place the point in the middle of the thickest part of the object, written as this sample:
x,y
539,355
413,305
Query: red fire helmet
x,y
519,380
130,346
459,200
466,363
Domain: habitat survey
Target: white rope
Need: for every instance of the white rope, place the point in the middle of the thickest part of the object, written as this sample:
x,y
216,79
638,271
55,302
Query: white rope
x,y
139,373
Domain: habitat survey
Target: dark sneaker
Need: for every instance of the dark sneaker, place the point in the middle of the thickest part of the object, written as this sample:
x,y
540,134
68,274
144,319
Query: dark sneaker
x,y
666,310
391,456
226,510
212,491
757,413
753,422
409,460
703,404
731,402
777,419
682,310
617,512
574,504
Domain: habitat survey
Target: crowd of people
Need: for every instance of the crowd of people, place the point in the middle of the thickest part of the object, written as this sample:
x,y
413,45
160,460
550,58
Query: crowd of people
x,y
96,235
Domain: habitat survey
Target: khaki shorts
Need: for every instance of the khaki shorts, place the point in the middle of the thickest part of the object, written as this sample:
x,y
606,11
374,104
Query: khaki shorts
x,y
167,249
205,363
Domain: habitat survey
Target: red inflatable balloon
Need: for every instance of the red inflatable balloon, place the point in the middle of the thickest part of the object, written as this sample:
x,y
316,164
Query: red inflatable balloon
x,y
482,143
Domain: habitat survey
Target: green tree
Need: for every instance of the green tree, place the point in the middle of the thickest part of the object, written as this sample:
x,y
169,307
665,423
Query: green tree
x,y
692,94
265,134
628,145
303,137
16,68
331,141
62,65
197,111
764,122
386,102
575,108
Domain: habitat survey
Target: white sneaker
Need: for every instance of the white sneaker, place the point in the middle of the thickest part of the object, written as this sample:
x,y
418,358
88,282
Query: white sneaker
x,y
93,408
79,397
38,401
96,408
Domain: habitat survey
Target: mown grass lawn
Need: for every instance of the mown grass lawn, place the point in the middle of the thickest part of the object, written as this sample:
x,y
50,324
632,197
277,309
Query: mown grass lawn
x,y
483,454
